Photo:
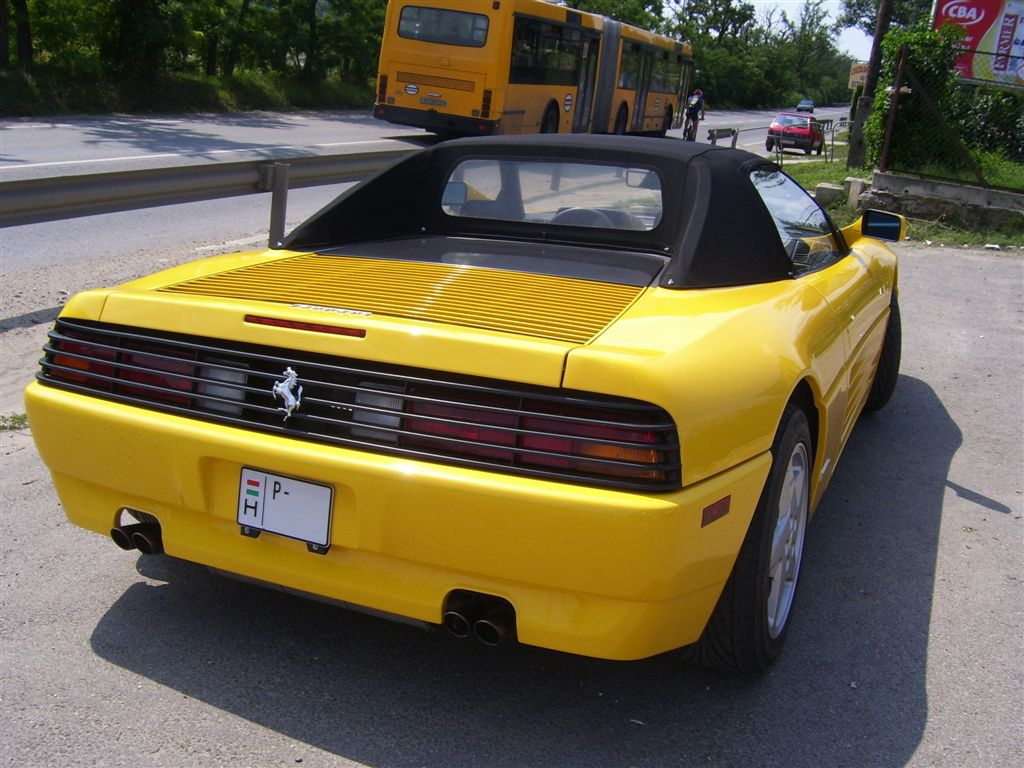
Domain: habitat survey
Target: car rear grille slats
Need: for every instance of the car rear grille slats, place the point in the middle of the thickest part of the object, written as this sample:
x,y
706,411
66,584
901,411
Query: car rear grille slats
x,y
544,306
518,429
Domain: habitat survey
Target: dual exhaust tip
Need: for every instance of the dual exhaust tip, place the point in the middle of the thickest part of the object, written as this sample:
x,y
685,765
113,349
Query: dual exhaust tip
x,y
491,620
144,537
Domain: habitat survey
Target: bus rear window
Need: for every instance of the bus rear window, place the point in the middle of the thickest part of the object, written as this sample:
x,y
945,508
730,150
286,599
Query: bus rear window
x,y
439,25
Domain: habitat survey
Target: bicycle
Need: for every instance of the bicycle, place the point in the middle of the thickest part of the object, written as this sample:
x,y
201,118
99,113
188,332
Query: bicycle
x,y
690,129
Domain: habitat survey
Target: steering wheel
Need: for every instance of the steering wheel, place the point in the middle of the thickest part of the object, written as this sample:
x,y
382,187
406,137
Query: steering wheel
x,y
582,217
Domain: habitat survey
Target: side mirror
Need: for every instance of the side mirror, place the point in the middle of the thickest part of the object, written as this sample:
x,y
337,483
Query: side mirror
x,y
883,226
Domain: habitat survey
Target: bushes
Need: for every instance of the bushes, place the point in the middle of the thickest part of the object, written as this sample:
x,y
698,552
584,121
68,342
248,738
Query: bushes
x,y
987,123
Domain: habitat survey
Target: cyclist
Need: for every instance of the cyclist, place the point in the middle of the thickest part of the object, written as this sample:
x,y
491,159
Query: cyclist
x,y
694,114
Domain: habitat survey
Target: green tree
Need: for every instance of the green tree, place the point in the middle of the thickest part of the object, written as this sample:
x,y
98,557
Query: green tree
x,y
137,35
713,21
646,14
67,33
863,13
22,31
356,37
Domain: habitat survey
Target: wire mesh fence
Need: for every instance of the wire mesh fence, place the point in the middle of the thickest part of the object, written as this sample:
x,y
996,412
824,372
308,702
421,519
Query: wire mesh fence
x,y
967,131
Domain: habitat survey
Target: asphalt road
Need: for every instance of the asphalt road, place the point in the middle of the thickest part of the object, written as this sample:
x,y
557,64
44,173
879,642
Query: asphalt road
x,y
906,647
36,148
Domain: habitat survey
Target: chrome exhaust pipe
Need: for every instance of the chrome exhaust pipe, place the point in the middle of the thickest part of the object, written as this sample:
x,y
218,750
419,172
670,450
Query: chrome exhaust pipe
x,y
489,619
461,617
496,624
457,623
147,539
122,535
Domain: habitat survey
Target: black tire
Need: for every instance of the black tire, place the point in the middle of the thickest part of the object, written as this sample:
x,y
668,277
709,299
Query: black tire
x,y
666,123
769,145
807,151
888,369
621,119
821,147
550,122
748,626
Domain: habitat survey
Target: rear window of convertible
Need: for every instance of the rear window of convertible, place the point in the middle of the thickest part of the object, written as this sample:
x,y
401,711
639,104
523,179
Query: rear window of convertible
x,y
555,193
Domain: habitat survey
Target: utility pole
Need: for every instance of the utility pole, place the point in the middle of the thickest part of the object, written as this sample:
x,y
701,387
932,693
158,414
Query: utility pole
x,y
857,150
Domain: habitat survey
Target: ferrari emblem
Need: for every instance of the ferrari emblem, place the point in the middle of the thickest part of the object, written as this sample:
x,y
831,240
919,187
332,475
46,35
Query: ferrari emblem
x,y
290,391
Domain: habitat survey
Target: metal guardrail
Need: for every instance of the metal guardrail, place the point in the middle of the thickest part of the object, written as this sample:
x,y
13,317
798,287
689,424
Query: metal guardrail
x,y
36,200
714,134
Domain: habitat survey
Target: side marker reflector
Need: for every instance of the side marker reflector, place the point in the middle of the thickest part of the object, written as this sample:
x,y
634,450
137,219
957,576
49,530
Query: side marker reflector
x,y
715,511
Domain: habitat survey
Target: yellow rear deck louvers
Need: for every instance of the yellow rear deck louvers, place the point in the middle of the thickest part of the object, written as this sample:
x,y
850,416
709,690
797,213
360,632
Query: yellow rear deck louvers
x,y
545,306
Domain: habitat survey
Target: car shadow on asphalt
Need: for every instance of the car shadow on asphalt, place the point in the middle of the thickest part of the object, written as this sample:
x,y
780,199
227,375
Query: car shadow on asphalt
x,y
848,690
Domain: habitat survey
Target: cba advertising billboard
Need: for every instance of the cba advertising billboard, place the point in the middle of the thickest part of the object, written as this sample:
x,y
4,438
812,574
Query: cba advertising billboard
x,y
994,33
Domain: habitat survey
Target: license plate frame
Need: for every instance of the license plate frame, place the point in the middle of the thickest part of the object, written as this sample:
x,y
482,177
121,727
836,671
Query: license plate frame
x,y
285,506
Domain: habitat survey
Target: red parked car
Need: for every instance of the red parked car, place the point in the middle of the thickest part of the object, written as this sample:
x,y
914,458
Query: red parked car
x,y
799,131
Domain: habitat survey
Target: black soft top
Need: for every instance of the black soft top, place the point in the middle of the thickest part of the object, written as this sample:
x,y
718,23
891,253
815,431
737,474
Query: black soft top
x,y
714,228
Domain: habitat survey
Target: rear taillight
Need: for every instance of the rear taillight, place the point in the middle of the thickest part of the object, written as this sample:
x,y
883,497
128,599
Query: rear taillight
x,y
80,360
485,105
542,435
382,89
594,448
468,431
146,370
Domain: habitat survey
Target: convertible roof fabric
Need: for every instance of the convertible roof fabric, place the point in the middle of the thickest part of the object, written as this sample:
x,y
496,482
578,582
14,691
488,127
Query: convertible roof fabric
x,y
714,226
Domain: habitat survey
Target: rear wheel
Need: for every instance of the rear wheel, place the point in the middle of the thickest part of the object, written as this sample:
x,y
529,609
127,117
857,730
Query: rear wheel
x,y
769,144
620,120
666,123
550,122
748,626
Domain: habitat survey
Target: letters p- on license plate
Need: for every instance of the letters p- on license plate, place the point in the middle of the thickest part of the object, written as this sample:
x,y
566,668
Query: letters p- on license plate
x,y
286,506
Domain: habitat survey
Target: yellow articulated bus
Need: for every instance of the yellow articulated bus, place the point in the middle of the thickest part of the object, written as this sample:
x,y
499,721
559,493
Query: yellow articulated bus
x,y
479,67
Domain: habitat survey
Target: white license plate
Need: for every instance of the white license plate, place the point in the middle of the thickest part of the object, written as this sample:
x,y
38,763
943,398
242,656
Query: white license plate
x,y
286,506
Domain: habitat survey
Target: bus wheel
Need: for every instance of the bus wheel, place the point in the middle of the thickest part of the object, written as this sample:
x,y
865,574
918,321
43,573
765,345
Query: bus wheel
x,y
667,123
550,122
620,120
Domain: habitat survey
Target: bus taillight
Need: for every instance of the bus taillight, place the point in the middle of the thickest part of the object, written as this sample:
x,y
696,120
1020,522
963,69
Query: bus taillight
x,y
485,107
382,89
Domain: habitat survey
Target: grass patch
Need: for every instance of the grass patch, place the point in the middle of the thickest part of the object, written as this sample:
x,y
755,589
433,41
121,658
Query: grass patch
x,y
1009,233
51,90
13,422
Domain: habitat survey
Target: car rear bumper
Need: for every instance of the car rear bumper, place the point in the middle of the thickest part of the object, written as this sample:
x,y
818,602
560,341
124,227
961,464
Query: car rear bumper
x,y
599,572
788,140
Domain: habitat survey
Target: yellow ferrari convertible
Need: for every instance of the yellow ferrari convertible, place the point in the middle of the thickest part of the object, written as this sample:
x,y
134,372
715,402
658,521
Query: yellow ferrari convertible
x,y
584,392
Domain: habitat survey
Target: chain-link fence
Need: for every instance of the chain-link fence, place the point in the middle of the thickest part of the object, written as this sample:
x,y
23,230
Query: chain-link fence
x,y
966,131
